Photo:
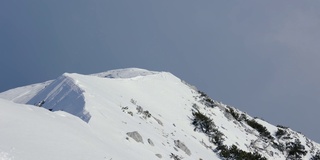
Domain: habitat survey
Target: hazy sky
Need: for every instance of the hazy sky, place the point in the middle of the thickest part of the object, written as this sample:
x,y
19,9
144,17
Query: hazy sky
x,y
259,56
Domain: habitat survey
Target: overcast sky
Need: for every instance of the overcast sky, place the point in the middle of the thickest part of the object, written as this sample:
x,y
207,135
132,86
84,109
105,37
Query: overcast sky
x,y
261,57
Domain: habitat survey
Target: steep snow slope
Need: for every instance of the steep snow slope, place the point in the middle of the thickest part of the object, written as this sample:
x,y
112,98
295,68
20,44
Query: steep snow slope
x,y
140,114
65,95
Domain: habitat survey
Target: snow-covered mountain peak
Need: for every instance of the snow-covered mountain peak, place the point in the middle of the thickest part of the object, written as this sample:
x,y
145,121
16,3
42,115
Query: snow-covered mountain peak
x,y
71,91
125,73
140,114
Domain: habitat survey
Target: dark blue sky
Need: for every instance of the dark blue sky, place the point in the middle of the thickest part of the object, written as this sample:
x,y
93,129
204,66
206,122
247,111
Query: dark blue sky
x,y
259,56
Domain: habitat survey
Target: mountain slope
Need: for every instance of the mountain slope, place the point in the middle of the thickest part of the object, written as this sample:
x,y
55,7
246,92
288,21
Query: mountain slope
x,y
29,132
139,114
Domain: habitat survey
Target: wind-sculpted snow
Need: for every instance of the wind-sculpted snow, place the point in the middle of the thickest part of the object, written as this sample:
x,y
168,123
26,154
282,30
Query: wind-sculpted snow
x,y
139,114
63,95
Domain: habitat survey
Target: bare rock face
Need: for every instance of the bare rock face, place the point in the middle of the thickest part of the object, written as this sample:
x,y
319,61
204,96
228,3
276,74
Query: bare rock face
x,y
136,136
159,156
150,142
159,122
182,146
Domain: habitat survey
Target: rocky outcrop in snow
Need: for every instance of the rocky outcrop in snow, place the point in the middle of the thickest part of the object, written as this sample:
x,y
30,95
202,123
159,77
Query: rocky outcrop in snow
x,y
136,136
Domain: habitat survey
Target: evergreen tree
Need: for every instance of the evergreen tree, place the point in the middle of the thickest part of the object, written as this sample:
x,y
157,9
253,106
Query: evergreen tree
x,y
295,150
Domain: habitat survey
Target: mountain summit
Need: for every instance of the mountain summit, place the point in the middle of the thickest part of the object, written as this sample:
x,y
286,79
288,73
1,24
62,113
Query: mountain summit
x,y
135,114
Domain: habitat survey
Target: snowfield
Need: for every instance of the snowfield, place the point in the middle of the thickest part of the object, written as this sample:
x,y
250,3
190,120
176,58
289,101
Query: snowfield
x,y
125,114
29,132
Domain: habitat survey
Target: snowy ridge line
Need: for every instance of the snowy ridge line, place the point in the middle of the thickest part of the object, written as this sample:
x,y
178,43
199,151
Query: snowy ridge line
x,y
125,73
25,93
139,114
